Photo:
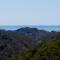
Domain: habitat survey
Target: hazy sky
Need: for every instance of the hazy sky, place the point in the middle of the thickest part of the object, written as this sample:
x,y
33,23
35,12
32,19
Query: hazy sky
x,y
29,12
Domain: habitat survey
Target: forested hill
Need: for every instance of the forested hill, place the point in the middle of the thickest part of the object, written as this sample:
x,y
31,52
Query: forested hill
x,y
29,44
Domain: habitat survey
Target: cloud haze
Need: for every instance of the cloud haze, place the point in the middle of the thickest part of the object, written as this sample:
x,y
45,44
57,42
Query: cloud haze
x,y
29,12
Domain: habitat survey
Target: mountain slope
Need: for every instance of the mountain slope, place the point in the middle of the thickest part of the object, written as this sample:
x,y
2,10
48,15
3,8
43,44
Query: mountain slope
x,y
29,44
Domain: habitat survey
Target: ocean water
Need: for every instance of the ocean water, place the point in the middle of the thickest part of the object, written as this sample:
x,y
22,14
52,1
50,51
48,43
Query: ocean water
x,y
47,28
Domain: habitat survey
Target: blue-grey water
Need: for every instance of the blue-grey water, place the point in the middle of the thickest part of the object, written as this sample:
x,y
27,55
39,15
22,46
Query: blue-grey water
x,y
47,28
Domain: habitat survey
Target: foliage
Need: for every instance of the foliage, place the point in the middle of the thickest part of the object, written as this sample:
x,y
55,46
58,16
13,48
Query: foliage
x,y
20,45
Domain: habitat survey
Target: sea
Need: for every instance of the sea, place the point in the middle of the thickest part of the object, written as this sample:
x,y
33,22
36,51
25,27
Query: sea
x,y
40,27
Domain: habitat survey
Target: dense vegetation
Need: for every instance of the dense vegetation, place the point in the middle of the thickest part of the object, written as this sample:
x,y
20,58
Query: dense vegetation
x,y
29,44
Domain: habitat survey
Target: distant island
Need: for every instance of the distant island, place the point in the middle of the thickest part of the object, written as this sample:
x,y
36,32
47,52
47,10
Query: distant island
x,y
29,44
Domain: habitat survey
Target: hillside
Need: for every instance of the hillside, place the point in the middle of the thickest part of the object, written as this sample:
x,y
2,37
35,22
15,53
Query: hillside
x,y
29,44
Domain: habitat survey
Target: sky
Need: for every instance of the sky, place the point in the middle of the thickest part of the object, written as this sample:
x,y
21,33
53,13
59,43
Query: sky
x,y
29,12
